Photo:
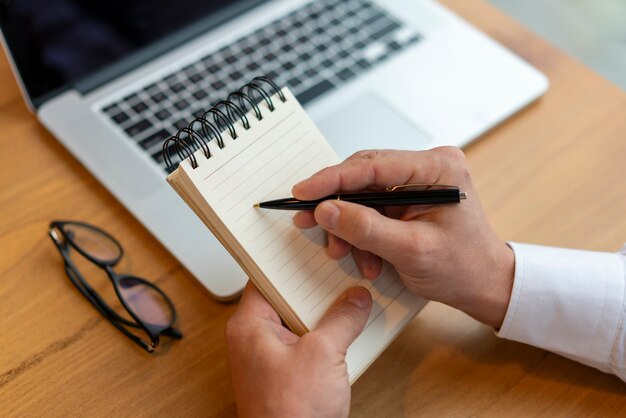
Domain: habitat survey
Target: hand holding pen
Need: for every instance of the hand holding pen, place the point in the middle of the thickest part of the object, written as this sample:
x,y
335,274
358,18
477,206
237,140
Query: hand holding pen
x,y
447,253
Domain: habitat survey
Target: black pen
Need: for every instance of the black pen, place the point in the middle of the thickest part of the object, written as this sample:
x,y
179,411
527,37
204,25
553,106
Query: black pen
x,y
404,195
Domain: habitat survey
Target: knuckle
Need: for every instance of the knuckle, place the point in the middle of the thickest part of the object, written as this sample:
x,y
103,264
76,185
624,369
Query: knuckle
x,y
452,154
364,155
454,160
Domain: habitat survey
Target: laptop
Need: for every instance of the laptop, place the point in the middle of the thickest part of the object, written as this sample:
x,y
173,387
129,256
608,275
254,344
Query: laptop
x,y
113,79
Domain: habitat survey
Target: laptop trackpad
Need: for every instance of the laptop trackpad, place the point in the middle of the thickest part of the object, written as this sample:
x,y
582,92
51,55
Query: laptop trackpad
x,y
368,122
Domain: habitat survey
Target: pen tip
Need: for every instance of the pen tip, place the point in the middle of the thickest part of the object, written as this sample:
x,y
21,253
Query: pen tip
x,y
256,205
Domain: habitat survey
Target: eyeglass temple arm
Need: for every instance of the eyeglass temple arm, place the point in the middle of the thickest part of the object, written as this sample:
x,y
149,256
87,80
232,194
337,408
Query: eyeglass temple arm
x,y
72,273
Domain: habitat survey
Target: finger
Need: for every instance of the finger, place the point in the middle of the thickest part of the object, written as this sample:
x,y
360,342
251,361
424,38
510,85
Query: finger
x,y
373,169
346,318
338,248
367,229
253,303
370,265
304,220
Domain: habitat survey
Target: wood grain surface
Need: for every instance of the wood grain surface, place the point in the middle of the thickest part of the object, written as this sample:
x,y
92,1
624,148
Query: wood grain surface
x,y
554,175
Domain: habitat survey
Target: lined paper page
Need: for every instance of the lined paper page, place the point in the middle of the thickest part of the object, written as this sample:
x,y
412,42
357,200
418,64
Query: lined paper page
x,y
263,164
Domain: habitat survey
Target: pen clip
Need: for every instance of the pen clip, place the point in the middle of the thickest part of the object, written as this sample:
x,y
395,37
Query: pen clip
x,y
420,186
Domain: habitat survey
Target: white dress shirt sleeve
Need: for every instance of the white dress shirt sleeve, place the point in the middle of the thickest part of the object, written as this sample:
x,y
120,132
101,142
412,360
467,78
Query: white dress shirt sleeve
x,y
570,302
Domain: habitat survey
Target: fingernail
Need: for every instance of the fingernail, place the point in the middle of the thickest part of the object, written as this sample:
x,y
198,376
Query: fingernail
x,y
327,215
359,297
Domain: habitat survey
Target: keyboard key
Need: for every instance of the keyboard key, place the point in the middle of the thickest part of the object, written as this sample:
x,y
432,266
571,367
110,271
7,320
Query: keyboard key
x,y
120,117
235,75
294,82
385,31
414,39
231,59
158,156
218,85
151,89
181,104
162,114
111,109
195,78
200,94
137,128
288,66
159,97
345,74
131,97
181,124
171,79
156,138
177,87
253,66
374,18
315,91
140,107
394,46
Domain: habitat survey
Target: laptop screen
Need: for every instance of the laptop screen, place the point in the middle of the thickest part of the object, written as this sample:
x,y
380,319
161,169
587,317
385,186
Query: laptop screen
x,y
57,43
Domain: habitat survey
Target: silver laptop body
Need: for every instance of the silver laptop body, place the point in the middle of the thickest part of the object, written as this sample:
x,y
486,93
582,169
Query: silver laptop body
x,y
112,85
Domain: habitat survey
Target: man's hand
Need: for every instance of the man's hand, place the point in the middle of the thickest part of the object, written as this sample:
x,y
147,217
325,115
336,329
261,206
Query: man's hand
x,y
275,373
446,253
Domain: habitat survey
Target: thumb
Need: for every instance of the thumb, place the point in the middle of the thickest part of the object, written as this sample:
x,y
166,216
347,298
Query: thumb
x,y
346,318
365,228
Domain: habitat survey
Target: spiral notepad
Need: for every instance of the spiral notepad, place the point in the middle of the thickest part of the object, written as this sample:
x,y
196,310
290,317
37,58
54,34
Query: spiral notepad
x,y
255,147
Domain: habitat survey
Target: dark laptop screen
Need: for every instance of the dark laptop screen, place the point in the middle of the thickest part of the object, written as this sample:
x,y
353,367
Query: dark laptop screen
x,y
56,43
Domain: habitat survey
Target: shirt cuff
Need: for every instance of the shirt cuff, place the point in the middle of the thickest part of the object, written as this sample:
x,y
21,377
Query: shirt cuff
x,y
566,301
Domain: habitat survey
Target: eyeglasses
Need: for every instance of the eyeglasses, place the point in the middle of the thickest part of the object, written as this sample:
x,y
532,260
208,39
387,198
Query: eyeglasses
x,y
152,311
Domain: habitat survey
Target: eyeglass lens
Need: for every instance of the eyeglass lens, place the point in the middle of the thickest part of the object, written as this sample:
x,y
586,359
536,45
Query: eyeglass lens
x,y
93,242
146,302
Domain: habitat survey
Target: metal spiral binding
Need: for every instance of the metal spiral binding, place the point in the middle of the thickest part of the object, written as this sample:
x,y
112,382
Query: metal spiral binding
x,y
223,114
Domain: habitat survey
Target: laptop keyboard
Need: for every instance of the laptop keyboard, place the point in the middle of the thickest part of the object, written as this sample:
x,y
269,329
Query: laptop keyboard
x,y
313,50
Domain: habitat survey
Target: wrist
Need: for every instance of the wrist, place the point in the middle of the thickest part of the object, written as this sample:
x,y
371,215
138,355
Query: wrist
x,y
493,291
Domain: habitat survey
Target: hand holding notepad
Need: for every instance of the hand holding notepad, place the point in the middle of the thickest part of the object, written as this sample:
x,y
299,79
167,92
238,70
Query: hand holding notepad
x,y
289,266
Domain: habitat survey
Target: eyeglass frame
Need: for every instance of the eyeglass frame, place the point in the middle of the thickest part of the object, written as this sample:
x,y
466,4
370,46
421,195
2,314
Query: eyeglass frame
x,y
153,332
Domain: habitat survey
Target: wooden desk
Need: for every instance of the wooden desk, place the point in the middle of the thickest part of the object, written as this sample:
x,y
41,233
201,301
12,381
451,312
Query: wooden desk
x,y
59,357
